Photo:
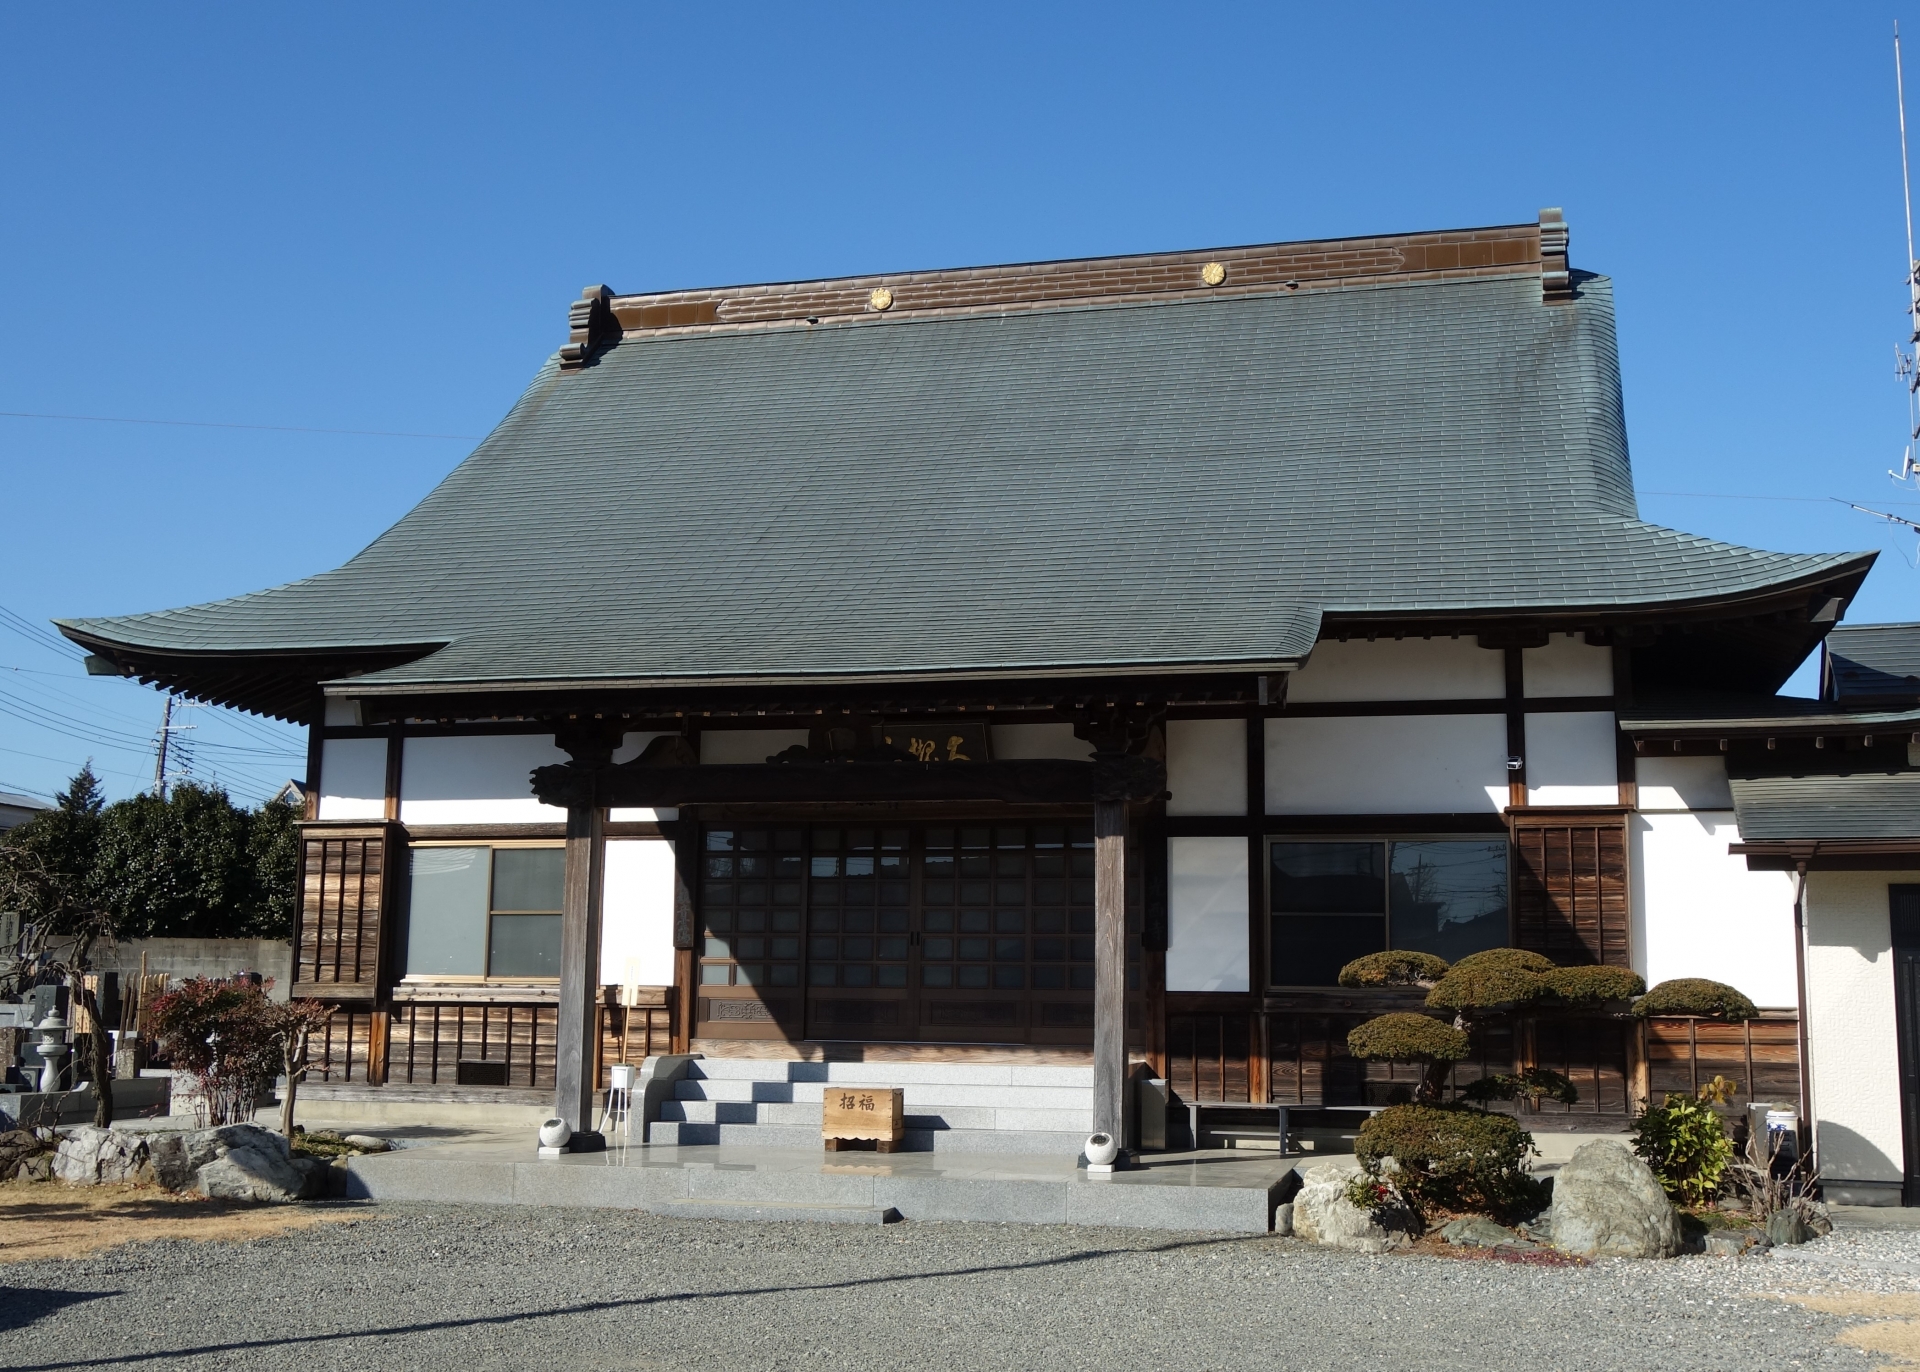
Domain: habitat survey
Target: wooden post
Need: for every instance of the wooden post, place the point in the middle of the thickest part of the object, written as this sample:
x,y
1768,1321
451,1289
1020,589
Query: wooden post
x,y
1110,968
575,1056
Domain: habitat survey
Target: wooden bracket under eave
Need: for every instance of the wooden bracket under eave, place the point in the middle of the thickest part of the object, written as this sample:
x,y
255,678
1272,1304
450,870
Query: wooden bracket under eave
x,y
1556,282
591,327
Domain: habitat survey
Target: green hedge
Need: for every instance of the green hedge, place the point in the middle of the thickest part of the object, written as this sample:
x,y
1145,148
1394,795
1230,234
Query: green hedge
x,y
1589,984
1695,996
1451,1158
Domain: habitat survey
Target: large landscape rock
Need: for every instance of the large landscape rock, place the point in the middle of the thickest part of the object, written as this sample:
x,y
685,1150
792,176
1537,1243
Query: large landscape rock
x,y
1322,1214
233,1162
1608,1204
18,1149
94,1157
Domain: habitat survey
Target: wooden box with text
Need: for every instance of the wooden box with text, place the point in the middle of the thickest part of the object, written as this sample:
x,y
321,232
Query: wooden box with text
x,y
851,1114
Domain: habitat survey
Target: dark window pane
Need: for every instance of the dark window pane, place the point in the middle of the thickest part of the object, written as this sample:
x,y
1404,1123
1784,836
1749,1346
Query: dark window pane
x,y
1049,950
1050,922
1010,838
1083,950
786,921
858,921
751,865
1082,892
975,866
750,948
856,974
856,949
893,921
1050,865
1080,835
719,867
972,978
893,893
1010,892
1049,893
826,839
939,893
753,892
1310,950
857,891
1081,864
1010,949
828,948
750,921
939,838
1049,978
861,840
786,893
824,866
1049,836
936,976
939,921
719,921
973,893
973,949
750,974
1009,978
893,838
789,865
939,948
528,878
859,866
1083,923
790,839
1009,921
786,948
891,976
1081,979
719,893
1449,899
973,921
751,840
1329,879
891,950
825,892
785,974
524,946
973,838
720,840
824,921
717,948
822,974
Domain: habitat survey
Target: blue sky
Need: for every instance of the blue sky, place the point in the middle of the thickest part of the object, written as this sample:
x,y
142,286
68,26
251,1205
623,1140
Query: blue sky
x,y
373,218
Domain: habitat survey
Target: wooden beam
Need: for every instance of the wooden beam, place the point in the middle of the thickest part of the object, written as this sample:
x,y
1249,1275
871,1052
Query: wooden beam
x,y
573,1077
1110,968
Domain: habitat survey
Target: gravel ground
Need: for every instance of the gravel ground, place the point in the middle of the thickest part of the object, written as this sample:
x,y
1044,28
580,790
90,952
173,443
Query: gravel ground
x,y
476,1288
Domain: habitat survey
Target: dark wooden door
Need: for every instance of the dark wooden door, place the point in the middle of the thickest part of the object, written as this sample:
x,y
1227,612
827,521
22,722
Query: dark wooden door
x,y
945,933
1904,916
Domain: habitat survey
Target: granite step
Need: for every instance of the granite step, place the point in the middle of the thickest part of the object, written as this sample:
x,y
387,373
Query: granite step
x,y
951,1117
890,1073
925,1096
913,1140
814,1211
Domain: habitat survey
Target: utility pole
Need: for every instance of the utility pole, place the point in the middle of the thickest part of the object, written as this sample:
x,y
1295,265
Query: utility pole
x,y
160,763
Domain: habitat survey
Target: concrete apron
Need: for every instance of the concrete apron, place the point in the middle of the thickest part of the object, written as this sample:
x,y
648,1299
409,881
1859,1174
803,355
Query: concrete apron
x,y
1216,1190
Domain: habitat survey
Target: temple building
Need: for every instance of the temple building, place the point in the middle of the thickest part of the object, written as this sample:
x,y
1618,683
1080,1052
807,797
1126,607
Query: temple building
x,y
1062,667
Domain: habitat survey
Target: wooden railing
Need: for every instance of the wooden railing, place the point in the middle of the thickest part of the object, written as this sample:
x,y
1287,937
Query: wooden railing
x,y
1261,1057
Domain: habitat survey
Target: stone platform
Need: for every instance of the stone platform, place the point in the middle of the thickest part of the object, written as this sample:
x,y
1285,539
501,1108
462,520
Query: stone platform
x,y
1214,1190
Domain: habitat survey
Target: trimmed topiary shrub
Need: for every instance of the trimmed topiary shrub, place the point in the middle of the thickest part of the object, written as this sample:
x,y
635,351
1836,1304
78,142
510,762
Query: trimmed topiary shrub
x,y
1395,968
1487,986
1518,958
1591,984
1451,1158
1407,1037
1695,996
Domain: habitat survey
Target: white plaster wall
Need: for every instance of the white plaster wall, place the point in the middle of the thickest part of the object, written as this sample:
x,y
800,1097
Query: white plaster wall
x,y
1019,741
476,779
1207,766
1683,783
342,711
1207,914
1387,764
725,746
1571,759
1410,669
1698,911
636,938
1567,666
353,778
1851,1029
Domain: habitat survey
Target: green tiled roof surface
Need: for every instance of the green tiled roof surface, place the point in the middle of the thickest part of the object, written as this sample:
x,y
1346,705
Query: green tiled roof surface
x,y
1863,805
1874,660
1096,487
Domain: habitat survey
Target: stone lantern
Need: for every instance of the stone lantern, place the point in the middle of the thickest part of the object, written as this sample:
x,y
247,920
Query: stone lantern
x,y
52,1048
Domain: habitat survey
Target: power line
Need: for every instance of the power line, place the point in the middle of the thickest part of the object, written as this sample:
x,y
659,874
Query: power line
x,y
212,424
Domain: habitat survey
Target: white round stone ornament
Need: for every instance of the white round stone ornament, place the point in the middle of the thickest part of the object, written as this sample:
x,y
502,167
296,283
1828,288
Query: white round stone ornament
x,y
1102,1149
555,1133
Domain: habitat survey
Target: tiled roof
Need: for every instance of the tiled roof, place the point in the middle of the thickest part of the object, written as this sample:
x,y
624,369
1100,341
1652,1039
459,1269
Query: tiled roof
x,y
1094,487
1873,661
1861,805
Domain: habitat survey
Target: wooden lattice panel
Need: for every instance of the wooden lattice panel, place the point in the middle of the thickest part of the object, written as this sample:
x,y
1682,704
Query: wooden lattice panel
x,y
343,893
428,1042
1570,893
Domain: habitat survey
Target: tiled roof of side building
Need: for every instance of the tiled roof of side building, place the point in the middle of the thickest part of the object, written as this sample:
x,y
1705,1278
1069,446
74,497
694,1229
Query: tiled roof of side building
x,y
1859,805
1873,661
1134,481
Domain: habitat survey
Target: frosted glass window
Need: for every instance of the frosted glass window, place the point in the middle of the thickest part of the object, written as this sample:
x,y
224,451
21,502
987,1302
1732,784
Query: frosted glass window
x,y
447,915
1207,914
527,894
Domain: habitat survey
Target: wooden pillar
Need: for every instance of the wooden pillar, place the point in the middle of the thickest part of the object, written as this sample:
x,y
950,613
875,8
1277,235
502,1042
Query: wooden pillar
x,y
1110,968
573,1077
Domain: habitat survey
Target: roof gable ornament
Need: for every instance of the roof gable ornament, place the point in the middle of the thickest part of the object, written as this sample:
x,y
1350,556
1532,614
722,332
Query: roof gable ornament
x,y
1556,282
592,326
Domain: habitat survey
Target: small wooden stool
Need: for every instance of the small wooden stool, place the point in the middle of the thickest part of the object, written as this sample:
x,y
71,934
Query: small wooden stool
x,y
862,1114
